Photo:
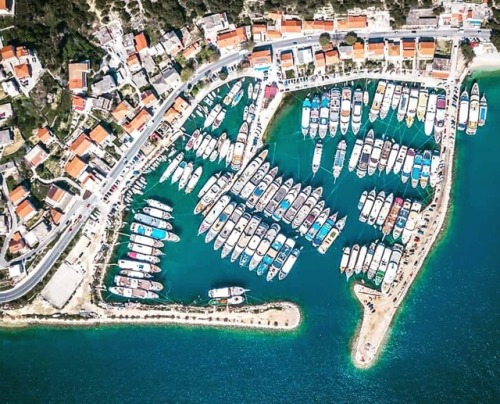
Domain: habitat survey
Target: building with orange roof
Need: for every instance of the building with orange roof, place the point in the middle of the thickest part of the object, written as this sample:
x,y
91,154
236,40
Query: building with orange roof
x,y
291,26
341,24
426,49
16,243
352,22
308,26
81,145
45,135
261,60
320,63
180,104
357,22
259,27
134,62
274,15
8,53
79,104
375,50
121,111
25,210
319,58
441,67
148,98
171,115
231,39
324,25
99,134
273,34
393,49
138,122
77,76
192,50
358,51
58,198
287,61
22,51
409,48
4,6
141,42
22,71
332,57
36,156
318,26
56,216
75,167
18,194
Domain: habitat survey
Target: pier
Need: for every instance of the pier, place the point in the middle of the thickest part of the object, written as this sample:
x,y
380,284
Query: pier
x,y
283,316
379,309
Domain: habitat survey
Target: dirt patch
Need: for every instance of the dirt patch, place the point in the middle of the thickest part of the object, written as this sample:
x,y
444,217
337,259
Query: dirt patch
x,y
18,143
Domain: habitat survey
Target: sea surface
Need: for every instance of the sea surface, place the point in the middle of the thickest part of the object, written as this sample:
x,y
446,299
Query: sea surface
x,y
443,346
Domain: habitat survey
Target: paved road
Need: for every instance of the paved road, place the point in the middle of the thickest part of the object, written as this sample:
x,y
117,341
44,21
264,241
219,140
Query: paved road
x,y
431,33
81,207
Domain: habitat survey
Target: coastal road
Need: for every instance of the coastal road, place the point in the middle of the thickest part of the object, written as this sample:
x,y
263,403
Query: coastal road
x,y
429,32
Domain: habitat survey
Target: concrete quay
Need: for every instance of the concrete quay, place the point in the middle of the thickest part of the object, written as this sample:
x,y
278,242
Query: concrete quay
x,y
283,316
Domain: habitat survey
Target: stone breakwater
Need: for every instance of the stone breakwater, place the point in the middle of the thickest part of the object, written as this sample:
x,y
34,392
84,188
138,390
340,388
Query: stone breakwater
x,y
283,316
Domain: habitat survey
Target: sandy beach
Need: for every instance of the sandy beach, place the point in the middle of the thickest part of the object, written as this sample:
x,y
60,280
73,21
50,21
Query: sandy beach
x,y
490,61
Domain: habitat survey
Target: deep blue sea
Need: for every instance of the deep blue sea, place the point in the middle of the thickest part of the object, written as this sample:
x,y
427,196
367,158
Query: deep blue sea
x,y
442,348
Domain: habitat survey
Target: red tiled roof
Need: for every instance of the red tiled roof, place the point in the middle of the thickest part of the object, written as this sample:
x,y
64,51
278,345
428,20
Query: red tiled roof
x,y
81,145
291,26
141,42
138,121
99,134
75,167
18,194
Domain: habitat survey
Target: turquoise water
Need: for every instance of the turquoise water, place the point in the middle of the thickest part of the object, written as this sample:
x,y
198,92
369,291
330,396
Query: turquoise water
x,y
443,347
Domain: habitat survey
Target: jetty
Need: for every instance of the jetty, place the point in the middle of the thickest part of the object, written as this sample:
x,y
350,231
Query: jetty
x,y
283,316
379,309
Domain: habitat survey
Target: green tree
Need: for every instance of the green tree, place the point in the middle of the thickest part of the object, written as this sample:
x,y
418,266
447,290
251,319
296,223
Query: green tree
x,y
467,51
186,73
438,10
324,39
350,38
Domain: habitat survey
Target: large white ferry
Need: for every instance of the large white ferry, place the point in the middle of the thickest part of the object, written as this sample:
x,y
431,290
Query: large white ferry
x,y
473,111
